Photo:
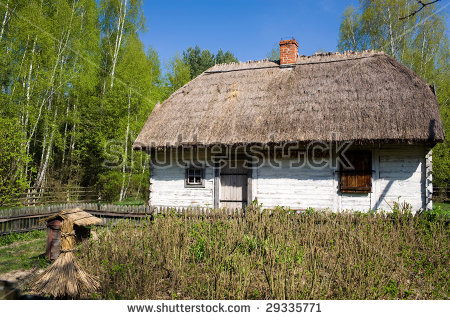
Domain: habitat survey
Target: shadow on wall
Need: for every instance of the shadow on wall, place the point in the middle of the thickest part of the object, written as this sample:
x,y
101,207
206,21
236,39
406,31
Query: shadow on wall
x,y
383,194
431,130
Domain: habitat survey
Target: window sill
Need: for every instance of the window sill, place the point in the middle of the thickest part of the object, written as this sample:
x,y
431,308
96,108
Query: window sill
x,y
356,191
194,186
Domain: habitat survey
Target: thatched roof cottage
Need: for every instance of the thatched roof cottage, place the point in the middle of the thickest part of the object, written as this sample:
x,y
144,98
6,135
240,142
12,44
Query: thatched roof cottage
x,y
338,131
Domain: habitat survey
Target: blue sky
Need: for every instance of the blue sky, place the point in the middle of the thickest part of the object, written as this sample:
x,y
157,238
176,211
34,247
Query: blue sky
x,y
248,28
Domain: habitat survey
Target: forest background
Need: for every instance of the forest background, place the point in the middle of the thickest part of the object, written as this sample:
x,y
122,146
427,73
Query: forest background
x,y
77,86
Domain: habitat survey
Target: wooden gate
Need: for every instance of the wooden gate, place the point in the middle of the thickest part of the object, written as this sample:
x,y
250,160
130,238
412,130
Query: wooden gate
x,y
233,185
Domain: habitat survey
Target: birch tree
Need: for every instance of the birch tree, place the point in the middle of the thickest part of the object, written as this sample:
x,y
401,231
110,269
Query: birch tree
x,y
419,41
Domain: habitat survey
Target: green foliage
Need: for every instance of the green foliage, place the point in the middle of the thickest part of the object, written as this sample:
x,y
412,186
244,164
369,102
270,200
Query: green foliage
x,y
200,60
274,54
226,57
274,254
15,237
13,160
109,183
179,74
75,78
419,42
22,251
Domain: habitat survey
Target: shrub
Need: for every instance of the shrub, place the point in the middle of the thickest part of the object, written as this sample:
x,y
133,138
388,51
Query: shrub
x,y
275,254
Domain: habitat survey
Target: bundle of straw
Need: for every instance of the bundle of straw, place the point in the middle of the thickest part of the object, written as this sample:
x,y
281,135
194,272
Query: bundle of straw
x,y
65,278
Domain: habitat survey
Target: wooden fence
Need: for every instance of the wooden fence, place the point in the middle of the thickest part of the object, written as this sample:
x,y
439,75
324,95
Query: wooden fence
x,y
441,194
47,196
15,220
24,219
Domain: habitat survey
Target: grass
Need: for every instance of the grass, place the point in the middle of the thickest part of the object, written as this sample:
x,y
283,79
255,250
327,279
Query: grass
x,y
130,202
273,255
22,251
445,206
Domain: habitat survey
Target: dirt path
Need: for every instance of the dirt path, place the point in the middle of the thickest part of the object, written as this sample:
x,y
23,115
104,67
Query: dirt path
x,y
19,275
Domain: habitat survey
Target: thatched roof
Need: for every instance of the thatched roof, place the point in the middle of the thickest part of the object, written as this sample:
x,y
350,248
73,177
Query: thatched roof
x,y
364,97
77,216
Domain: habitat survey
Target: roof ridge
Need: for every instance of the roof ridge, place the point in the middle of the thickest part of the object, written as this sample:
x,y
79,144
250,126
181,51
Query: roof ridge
x,y
251,65
239,63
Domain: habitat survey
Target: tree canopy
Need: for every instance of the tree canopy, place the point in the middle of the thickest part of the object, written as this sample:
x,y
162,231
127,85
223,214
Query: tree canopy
x,y
77,86
200,60
417,40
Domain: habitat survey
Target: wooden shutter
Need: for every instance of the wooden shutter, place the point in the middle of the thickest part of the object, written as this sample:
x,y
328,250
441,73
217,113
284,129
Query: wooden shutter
x,y
359,179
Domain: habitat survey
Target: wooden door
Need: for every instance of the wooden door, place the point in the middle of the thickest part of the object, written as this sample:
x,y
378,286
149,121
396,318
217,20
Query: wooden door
x,y
233,186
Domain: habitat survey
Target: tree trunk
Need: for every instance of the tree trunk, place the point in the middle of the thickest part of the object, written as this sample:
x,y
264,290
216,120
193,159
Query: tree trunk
x,y
43,169
120,27
391,36
5,18
124,166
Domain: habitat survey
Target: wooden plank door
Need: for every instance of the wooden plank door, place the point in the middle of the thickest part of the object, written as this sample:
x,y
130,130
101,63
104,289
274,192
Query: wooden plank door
x,y
233,185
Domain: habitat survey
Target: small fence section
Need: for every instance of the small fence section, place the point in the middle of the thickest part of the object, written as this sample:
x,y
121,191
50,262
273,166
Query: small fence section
x,y
24,219
48,196
441,194
15,220
30,218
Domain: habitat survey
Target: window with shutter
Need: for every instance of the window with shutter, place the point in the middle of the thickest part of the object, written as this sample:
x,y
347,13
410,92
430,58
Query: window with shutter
x,y
359,178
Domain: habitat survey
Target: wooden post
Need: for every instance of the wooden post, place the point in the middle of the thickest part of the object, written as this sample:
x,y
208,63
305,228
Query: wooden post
x,y
150,168
249,183
375,195
216,185
428,180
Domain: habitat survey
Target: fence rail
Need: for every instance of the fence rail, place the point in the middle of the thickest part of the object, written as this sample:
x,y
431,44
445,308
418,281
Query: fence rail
x,y
15,220
44,196
23,219
441,194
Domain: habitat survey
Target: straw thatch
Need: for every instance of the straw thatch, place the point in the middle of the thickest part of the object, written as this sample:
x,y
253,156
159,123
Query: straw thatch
x,y
363,97
65,278
77,216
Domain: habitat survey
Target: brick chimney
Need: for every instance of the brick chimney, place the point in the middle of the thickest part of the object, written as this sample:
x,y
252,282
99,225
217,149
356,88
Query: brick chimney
x,y
288,52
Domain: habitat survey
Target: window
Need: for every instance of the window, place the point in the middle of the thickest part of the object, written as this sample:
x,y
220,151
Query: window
x,y
195,178
359,178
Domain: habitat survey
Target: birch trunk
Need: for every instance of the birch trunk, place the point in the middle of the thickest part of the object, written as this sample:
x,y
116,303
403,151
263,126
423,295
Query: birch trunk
x,y
391,36
140,182
43,169
120,27
422,58
65,136
46,149
122,190
5,18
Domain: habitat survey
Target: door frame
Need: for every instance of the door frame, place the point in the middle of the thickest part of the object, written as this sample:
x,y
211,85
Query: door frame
x,y
217,169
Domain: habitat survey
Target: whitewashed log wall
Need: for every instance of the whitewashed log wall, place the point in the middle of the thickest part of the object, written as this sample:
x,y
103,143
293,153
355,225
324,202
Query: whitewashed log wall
x,y
167,189
400,174
297,188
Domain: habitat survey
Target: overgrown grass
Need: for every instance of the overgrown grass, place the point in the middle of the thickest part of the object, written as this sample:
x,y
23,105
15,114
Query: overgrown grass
x,y
130,202
15,237
273,255
22,251
444,206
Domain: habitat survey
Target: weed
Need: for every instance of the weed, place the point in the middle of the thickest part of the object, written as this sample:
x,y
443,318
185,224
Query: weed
x,y
275,254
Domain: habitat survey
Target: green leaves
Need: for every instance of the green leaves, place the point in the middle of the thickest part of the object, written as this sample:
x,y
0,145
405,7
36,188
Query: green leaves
x,y
179,74
13,160
200,60
420,42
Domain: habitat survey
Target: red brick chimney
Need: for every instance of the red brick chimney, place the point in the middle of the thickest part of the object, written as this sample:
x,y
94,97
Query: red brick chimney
x,y
288,52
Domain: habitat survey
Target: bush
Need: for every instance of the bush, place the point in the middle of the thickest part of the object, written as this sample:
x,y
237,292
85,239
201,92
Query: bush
x,y
272,255
109,184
